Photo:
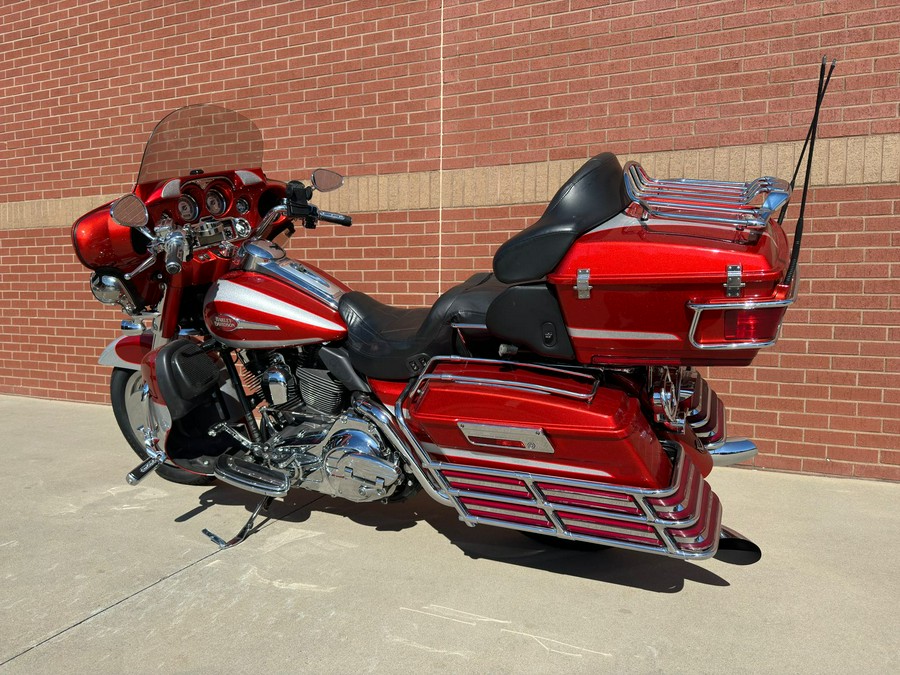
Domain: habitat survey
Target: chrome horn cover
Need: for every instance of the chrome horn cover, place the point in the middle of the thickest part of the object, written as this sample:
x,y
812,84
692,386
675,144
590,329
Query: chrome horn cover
x,y
110,290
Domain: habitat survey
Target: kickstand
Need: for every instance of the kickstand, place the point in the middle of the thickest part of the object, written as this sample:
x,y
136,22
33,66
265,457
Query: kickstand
x,y
246,530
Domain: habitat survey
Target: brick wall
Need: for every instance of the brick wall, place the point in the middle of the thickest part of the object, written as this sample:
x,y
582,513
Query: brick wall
x,y
456,121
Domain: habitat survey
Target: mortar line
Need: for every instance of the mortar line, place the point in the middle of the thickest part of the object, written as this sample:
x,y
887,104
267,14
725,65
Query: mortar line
x,y
441,161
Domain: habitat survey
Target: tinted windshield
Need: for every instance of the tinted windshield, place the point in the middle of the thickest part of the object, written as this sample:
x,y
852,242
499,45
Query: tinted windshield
x,y
200,138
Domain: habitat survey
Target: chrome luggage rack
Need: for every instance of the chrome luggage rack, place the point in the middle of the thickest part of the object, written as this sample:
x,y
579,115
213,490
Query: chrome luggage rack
x,y
743,205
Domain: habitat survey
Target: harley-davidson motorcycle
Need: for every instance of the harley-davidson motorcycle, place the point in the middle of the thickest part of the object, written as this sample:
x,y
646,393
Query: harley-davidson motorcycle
x,y
556,395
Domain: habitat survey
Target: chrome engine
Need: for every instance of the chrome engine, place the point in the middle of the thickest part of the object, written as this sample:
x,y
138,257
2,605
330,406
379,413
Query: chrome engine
x,y
340,455
351,461
311,436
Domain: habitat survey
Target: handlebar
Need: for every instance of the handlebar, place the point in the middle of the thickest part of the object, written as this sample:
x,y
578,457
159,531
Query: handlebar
x,y
176,247
337,218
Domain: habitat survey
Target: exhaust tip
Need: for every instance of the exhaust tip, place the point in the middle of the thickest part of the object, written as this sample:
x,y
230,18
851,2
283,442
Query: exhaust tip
x,y
736,549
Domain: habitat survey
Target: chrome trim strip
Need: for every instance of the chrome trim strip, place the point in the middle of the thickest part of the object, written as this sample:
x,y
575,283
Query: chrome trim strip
x,y
505,384
469,326
456,453
296,274
600,527
510,487
252,325
427,374
592,334
505,512
733,451
718,421
533,439
599,500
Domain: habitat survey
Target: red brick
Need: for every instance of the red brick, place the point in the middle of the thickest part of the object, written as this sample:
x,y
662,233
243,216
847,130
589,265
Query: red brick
x,y
628,76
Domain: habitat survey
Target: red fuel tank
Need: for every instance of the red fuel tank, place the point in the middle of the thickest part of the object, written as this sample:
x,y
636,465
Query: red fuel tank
x,y
249,309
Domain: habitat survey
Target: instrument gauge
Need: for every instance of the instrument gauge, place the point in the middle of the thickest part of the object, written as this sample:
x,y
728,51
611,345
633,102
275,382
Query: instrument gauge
x,y
242,205
216,203
188,208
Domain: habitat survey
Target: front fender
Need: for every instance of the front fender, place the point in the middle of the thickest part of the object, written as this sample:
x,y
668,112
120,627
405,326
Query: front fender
x,y
127,351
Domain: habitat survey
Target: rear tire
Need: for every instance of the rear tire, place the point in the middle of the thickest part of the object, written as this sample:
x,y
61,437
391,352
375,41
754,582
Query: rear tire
x,y
125,390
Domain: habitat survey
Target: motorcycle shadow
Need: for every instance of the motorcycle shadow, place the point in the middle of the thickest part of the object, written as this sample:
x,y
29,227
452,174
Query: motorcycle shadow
x,y
608,565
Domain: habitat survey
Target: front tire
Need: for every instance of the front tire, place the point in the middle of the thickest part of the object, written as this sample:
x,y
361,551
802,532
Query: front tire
x,y
126,391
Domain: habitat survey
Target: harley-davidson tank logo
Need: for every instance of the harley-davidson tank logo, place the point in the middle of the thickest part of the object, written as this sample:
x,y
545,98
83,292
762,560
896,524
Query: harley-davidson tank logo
x,y
225,323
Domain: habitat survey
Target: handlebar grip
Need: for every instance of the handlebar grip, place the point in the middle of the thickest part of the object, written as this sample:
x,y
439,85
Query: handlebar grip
x,y
173,264
175,252
337,218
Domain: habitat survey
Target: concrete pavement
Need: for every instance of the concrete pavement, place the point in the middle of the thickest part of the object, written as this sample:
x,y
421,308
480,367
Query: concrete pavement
x,y
100,577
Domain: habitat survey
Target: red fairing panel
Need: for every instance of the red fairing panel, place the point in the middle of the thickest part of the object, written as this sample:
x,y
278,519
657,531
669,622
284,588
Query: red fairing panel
x,y
508,417
251,310
100,244
642,279
387,391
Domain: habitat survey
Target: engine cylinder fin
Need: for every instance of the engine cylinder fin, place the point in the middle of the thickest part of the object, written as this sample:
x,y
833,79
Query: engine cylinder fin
x,y
320,391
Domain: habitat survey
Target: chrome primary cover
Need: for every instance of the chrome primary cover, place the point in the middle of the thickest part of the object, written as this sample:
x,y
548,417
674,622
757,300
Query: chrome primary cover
x,y
350,460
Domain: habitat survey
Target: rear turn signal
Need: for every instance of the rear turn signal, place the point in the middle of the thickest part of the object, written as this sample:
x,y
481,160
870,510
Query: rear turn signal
x,y
752,325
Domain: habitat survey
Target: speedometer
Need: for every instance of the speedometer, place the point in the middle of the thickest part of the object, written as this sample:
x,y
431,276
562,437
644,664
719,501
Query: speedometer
x,y
216,203
188,209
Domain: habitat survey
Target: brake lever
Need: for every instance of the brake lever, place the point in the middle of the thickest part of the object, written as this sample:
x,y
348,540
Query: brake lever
x,y
148,262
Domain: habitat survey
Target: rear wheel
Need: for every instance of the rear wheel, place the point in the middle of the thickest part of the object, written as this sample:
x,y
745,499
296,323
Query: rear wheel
x,y
126,390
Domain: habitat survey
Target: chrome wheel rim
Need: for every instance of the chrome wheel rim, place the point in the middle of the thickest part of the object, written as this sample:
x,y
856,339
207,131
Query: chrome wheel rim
x,y
136,390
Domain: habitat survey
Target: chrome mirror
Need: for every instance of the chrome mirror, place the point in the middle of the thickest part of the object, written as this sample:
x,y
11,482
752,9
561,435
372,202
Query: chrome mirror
x,y
129,211
325,180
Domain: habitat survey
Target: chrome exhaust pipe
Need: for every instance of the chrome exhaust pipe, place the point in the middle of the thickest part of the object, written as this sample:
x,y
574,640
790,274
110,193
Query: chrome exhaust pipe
x,y
736,549
733,451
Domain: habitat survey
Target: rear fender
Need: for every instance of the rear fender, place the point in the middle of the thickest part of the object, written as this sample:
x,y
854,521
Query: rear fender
x,y
127,351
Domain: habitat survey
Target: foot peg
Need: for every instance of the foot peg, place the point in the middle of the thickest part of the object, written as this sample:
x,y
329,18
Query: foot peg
x,y
139,473
253,477
245,531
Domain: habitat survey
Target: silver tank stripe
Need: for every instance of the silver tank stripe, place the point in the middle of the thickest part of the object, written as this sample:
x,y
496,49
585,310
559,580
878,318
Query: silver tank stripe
x,y
228,291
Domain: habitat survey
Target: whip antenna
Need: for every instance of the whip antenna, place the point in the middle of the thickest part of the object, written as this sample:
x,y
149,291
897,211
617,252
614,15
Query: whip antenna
x,y
811,141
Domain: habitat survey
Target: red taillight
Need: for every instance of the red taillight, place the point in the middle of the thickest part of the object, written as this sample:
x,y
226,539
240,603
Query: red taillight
x,y
752,325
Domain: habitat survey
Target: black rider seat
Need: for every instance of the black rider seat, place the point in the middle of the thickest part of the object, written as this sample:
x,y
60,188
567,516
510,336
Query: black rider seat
x,y
594,194
395,343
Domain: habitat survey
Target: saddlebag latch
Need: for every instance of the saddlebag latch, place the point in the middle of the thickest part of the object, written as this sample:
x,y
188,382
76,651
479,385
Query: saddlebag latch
x,y
733,282
583,284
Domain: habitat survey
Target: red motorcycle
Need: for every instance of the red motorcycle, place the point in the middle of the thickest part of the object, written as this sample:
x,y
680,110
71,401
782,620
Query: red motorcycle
x,y
556,396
